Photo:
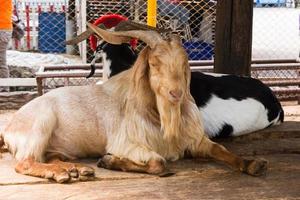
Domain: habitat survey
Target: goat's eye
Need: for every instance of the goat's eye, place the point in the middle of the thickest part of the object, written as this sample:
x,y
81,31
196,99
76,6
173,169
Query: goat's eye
x,y
154,65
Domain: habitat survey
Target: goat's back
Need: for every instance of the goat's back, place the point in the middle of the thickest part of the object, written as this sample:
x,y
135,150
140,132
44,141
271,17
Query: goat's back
x,y
71,121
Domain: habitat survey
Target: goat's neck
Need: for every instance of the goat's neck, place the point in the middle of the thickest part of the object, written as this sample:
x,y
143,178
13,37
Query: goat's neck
x,y
143,101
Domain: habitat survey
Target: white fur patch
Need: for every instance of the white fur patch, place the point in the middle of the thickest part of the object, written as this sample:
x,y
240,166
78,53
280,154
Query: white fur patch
x,y
244,116
106,64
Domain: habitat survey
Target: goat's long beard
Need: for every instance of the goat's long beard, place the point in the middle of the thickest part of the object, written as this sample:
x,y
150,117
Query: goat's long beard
x,y
171,120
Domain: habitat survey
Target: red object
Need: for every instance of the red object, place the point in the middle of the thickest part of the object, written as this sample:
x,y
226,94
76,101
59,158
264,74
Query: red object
x,y
51,8
109,21
63,8
174,1
27,26
39,9
16,41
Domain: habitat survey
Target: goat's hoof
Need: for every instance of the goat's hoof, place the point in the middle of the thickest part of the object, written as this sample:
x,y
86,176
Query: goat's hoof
x,y
157,167
105,162
49,174
86,178
166,173
73,172
62,177
86,171
256,167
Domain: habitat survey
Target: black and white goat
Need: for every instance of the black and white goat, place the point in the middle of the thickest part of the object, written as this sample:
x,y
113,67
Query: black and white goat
x,y
230,105
115,58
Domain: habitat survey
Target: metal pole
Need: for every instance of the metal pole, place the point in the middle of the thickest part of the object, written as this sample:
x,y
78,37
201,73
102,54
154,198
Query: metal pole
x,y
151,12
83,26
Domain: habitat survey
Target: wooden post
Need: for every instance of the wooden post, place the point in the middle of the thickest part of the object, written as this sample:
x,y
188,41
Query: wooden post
x,y
39,82
233,45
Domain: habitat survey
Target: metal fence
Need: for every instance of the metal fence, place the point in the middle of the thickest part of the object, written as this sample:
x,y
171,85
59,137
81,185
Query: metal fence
x,y
193,20
30,12
50,22
282,76
276,29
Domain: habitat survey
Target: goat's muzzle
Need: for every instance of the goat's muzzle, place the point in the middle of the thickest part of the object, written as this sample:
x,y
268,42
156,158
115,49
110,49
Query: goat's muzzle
x,y
175,95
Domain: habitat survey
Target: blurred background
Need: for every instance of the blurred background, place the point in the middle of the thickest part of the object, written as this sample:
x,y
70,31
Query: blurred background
x,y
49,23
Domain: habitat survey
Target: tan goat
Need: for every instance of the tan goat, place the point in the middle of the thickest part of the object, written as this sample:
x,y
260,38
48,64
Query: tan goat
x,y
136,120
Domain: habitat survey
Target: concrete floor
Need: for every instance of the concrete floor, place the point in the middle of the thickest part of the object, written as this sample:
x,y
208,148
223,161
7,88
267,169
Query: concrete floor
x,y
193,179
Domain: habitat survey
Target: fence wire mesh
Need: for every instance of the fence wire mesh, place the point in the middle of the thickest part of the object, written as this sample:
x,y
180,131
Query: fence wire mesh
x,y
45,23
52,83
50,22
276,26
194,21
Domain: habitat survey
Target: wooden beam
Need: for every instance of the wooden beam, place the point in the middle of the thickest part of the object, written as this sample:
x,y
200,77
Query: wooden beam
x,y
12,82
233,37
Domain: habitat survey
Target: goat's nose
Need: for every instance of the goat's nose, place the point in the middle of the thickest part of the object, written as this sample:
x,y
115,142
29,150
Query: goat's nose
x,y
176,94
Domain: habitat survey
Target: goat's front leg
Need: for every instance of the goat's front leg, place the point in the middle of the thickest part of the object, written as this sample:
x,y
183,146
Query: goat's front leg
x,y
116,163
60,171
254,167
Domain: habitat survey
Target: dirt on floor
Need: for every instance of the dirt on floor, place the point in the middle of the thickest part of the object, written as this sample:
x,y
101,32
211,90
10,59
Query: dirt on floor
x,y
193,179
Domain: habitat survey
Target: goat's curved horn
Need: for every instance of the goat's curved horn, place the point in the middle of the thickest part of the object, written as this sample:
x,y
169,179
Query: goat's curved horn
x,y
151,38
83,36
131,25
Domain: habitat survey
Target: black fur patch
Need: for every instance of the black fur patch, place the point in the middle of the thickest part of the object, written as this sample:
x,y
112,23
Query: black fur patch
x,y
226,131
122,57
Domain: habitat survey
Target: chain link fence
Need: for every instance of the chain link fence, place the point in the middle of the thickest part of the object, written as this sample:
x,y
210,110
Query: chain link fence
x,y
276,27
194,21
50,22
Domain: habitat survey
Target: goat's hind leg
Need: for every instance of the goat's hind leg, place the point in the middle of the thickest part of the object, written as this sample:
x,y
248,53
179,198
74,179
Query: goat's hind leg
x,y
109,161
254,167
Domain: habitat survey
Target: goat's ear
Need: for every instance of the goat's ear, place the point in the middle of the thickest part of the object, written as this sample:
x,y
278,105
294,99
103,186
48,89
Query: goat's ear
x,y
140,69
